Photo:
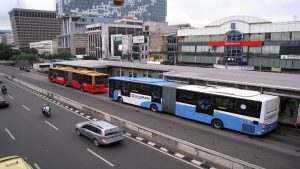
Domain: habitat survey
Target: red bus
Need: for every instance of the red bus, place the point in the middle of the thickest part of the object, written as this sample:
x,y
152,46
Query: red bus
x,y
85,80
59,75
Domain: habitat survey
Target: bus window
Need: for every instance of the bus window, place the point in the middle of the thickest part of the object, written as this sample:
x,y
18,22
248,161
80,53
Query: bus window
x,y
145,89
247,108
224,103
185,97
125,89
76,77
86,79
100,80
156,94
204,104
134,87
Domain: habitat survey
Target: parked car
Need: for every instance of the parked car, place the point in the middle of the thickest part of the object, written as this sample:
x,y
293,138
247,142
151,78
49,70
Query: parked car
x,y
14,162
101,132
3,102
27,69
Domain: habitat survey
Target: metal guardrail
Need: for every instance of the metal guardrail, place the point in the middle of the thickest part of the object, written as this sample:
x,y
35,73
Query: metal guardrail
x,y
157,137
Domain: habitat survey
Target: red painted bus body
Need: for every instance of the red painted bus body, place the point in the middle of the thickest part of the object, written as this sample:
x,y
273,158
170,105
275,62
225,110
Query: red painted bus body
x,y
85,80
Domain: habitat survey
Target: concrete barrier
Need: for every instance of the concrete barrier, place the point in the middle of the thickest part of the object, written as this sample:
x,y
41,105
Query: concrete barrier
x,y
169,142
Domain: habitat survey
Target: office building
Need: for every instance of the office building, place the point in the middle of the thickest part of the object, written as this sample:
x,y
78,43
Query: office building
x,y
100,41
33,25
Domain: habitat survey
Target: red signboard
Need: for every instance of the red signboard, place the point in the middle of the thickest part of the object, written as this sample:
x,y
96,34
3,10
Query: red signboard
x,y
238,43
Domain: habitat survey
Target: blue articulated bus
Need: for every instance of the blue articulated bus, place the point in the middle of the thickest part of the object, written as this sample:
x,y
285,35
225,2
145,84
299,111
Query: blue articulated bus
x,y
246,111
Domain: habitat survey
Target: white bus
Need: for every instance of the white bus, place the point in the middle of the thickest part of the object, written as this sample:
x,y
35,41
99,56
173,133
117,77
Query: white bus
x,y
242,110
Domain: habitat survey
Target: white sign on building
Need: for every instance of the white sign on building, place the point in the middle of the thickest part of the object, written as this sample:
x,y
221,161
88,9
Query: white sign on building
x,y
138,39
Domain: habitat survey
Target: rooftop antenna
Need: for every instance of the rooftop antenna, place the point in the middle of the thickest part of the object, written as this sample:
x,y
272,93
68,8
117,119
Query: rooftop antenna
x,y
18,3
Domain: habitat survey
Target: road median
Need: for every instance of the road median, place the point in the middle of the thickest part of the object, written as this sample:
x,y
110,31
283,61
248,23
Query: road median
x,y
190,150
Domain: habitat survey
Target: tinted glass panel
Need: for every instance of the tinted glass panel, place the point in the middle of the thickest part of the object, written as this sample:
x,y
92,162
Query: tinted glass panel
x,y
100,80
125,89
156,94
205,104
185,97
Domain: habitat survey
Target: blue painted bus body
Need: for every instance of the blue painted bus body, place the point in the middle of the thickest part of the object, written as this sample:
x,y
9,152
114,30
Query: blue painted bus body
x,y
230,122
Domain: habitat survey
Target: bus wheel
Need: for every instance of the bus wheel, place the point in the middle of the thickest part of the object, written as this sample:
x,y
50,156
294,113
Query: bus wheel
x,y
120,99
81,89
153,107
216,123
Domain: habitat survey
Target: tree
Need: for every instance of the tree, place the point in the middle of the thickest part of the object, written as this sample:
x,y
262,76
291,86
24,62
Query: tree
x,y
30,50
64,56
90,58
25,57
5,52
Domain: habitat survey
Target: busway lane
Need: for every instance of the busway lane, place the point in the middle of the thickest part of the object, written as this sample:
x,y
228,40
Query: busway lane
x,y
41,142
228,142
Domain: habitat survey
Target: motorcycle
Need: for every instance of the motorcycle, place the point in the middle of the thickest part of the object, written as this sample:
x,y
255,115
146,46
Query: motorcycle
x,y
46,113
4,89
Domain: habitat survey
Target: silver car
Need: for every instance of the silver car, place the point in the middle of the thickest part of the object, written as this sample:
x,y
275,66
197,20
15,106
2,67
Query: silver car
x,y
101,132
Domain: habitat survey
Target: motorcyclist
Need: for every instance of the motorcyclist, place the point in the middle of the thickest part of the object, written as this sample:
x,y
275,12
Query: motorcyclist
x,y
3,89
46,109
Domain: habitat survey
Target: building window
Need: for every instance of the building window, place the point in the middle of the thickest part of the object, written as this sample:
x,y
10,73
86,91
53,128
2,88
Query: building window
x,y
267,36
232,25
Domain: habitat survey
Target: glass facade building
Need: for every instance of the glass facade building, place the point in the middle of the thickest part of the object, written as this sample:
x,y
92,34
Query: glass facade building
x,y
147,10
243,42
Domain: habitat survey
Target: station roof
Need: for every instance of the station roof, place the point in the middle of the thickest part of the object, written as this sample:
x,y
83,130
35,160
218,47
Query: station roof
x,y
281,81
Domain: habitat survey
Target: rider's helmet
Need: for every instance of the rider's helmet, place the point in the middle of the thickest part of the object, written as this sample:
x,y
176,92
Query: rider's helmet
x,y
46,107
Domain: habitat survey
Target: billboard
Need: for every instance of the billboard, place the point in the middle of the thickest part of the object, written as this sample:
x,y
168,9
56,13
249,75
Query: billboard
x,y
138,39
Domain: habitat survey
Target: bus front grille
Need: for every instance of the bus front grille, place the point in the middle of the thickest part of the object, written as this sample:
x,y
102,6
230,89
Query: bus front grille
x,y
248,128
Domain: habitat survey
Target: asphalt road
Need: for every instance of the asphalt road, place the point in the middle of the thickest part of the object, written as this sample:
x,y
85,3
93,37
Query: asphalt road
x,y
51,143
278,149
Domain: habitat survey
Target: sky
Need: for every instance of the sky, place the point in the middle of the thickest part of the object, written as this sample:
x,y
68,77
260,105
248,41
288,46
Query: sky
x,y
196,12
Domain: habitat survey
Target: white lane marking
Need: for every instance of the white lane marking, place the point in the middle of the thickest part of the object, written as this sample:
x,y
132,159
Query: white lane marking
x,y
103,159
36,166
10,97
163,149
179,155
166,153
139,138
196,162
26,108
9,133
151,144
52,125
